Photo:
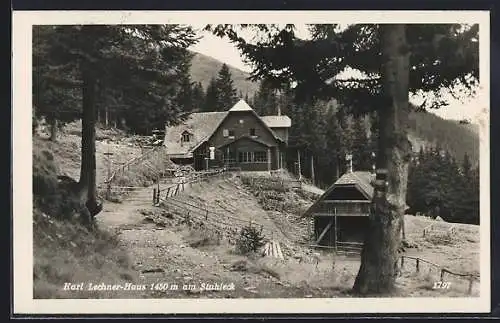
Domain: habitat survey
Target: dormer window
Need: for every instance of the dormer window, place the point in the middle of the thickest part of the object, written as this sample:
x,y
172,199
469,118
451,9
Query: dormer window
x,y
252,132
186,136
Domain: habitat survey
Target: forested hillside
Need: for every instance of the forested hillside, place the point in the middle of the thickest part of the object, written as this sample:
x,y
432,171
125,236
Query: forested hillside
x,y
321,136
426,128
459,139
203,68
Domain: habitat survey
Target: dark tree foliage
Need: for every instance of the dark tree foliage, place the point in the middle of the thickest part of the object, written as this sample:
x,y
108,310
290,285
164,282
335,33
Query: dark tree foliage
x,y
198,99
437,186
265,100
210,103
139,65
393,61
226,92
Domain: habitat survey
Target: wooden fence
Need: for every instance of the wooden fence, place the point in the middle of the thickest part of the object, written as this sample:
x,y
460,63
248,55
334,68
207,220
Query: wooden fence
x,y
223,224
345,248
471,278
432,230
160,194
134,161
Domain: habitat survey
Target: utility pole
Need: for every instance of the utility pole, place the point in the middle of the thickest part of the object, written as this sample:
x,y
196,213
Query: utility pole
x,y
108,155
298,158
312,169
107,116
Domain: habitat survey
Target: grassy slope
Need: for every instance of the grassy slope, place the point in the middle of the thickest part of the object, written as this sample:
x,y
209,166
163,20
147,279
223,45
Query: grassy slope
x,y
65,251
280,212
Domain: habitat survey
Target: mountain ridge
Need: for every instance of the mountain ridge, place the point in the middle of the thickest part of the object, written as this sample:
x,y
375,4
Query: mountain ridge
x,y
204,67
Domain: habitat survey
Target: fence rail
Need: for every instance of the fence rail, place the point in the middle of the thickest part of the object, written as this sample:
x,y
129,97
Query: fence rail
x,y
174,189
343,247
431,229
121,169
443,271
204,217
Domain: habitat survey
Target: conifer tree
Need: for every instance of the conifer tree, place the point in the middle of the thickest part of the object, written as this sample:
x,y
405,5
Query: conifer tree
x,y
198,97
226,92
265,101
210,103
139,62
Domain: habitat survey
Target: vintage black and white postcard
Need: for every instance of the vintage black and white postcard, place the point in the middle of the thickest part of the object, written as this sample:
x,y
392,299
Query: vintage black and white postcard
x,y
251,162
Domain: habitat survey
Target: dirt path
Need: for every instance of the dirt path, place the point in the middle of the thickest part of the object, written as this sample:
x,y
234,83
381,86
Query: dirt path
x,y
159,246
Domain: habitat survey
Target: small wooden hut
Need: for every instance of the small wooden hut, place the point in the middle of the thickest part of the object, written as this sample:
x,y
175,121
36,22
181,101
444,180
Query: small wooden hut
x,y
341,213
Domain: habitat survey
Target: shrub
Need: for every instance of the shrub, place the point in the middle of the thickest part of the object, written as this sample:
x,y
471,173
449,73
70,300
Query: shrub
x,y
249,240
203,238
51,193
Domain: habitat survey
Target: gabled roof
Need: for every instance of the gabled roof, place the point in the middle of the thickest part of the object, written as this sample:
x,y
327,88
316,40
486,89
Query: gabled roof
x,y
360,179
202,125
241,105
277,121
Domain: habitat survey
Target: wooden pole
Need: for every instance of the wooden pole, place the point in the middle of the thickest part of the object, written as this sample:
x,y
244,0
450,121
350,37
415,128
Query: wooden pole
x,y
299,170
335,217
471,281
154,195
418,265
268,159
403,231
312,170
107,116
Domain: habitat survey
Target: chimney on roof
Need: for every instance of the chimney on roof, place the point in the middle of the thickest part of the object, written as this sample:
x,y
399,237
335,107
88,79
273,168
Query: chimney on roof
x,y
348,157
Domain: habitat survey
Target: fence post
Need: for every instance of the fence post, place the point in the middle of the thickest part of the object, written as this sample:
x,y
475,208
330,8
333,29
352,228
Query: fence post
x,y
168,192
177,189
418,265
206,215
442,274
108,190
154,195
402,261
471,281
158,195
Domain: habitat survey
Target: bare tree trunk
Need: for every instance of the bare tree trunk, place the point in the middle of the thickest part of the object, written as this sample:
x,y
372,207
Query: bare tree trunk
x,y
107,116
87,181
312,169
53,129
377,273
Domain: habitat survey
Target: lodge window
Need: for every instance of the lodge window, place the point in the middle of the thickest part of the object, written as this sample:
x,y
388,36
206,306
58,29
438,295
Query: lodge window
x,y
231,133
185,137
245,157
225,132
252,131
260,157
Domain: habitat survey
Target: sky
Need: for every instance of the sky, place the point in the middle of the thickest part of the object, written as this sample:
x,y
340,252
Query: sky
x,y
224,51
